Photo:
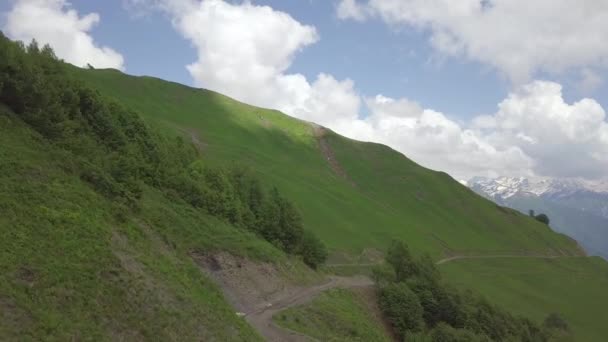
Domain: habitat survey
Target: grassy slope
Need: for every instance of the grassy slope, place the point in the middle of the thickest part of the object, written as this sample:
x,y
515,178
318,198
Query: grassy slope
x,y
394,197
336,315
70,270
574,287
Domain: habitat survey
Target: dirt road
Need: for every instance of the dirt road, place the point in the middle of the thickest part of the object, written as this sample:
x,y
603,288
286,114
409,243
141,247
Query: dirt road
x,y
258,290
459,257
261,319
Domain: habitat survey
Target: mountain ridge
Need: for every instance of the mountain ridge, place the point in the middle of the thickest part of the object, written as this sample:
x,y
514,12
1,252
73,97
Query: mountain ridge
x,y
576,208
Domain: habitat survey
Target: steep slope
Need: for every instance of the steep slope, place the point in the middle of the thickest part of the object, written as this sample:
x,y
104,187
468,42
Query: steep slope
x,y
102,218
358,196
70,270
365,192
105,219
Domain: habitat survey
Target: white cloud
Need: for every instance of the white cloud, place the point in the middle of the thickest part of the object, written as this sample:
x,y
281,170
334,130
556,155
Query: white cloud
x,y
517,37
564,140
433,140
245,51
350,9
54,22
589,81
533,133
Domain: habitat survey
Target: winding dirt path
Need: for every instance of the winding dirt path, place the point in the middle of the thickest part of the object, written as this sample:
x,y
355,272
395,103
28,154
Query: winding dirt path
x,y
459,257
261,319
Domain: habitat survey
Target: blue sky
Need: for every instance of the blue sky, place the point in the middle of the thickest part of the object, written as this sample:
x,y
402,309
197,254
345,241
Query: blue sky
x,y
379,59
424,79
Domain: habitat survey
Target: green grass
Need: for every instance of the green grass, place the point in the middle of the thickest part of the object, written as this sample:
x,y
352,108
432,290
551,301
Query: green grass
x,y
70,270
393,196
335,315
573,287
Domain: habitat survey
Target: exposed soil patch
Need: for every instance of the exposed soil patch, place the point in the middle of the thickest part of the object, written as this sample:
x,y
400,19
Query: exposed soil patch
x,y
328,154
258,291
368,257
371,255
196,139
248,286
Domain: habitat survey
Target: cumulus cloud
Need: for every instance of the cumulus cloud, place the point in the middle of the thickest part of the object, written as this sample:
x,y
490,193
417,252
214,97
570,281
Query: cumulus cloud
x,y
245,51
589,81
564,140
517,37
350,9
433,140
54,22
534,132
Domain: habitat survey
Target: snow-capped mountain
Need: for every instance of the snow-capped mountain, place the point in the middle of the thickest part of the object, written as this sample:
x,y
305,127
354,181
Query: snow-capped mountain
x,y
576,208
502,188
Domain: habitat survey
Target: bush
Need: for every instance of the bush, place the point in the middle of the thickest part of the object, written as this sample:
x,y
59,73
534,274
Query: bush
x,y
556,321
402,308
383,275
399,257
413,295
312,250
542,218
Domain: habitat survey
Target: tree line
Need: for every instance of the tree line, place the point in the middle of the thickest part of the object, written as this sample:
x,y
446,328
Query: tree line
x,y
420,307
111,148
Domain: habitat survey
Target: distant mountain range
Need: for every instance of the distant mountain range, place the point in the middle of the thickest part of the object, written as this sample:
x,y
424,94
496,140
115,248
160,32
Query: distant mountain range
x,y
576,208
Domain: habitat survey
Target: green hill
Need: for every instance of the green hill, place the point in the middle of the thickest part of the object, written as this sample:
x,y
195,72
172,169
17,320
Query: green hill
x,y
103,204
354,195
574,287
70,271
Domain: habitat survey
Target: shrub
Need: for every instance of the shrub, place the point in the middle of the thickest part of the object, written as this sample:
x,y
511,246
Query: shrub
x,y
542,218
413,295
556,321
402,308
399,257
312,250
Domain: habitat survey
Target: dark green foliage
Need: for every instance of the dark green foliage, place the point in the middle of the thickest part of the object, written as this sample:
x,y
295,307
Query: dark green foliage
x,y
313,251
399,257
556,321
401,308
117,153
383,275
445,333
448,315
542,218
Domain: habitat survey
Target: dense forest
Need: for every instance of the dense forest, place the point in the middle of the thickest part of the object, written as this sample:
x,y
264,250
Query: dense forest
x,y
111,148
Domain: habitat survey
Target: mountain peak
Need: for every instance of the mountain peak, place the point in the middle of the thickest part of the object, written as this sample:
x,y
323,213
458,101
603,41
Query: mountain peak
x,y
506,187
